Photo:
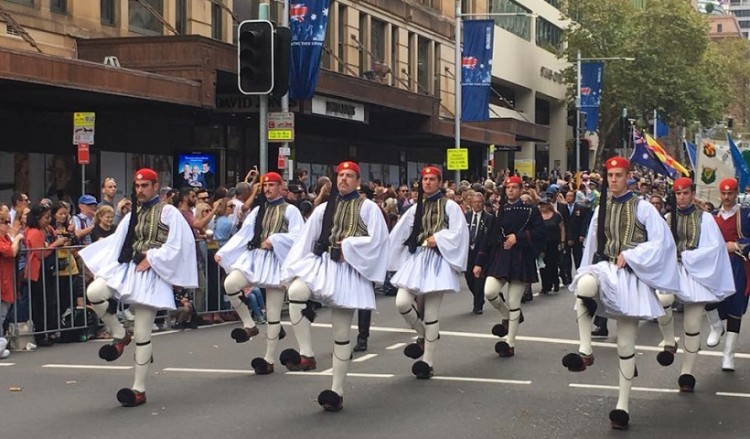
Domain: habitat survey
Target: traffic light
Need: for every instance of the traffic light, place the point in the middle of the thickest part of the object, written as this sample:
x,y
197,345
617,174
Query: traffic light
x,y
282,58
255,57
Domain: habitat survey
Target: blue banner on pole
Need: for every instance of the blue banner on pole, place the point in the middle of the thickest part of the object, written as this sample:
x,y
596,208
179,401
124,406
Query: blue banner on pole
x,y
307,22
476,70
592,75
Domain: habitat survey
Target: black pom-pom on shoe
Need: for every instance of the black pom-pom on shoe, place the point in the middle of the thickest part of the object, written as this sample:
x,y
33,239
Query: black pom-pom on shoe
x,y
619,419
261,366
330,401
665,358
574,363
499,330
289,357
686,383
504,350
413,351
131,398
422,370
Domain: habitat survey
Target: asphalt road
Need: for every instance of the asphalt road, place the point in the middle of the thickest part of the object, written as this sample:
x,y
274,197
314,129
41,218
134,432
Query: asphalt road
x,y
202,386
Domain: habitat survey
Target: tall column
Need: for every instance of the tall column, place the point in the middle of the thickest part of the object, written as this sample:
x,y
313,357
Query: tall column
x,y
558,130
526,102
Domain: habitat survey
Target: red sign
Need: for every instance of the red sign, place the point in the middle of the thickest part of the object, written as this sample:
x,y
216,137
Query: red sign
x,y
281,164
83,154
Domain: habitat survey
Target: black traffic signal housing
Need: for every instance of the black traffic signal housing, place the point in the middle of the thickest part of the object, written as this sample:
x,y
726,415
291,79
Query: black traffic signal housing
x,y
255,57
282,59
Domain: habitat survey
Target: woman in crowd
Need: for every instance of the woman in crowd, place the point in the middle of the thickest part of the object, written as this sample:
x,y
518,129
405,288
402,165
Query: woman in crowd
x,y
554,239
103,223
69,284
10,242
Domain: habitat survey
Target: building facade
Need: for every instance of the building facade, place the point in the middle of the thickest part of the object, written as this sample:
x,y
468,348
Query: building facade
x,y
741,10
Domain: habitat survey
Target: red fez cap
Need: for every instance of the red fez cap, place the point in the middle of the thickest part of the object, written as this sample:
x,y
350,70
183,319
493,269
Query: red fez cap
x,y
682,183
513,179
146,174
728,184
617,162
272,177
432,170
348,165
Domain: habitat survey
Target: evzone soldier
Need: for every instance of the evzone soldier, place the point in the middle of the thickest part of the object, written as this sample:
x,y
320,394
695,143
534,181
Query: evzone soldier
x,y
629,253
507,255
428,250
734,223
254,256
152,251
340,252
705,276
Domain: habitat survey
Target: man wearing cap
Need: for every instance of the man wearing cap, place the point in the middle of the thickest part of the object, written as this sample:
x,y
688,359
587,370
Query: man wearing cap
x,y
253,257
428,250
705,277
84,220
152,251
734,223
628,254
340,252
507,255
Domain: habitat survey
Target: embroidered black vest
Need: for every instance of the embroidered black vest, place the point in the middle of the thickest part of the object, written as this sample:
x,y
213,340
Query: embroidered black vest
x,y
347,219
150,231
688,229
274,220
434,218
623,230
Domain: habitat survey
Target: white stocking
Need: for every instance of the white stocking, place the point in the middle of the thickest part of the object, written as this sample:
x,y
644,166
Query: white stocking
x,y
144,321
98,294
492,287
407,308
515,292
588,287
432,303
299,294
342,347
626,329
233,285
692,320
666,322
274,302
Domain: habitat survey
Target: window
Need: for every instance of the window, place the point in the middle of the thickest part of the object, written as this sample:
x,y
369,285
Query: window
x,y
395,69
180,19
719,28
438,71
548,36
423,65
555,3
58,6
108,12
23,2
244,10
217,24
377,40
327,59
467,6
141,21
341,46
361,46
744,24
517,25
410,60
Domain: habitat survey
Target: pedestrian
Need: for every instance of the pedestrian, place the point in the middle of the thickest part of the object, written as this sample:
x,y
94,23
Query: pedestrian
x,y
428,250
253,258
554,243
10,242
479,223
340,252
629,253
153,251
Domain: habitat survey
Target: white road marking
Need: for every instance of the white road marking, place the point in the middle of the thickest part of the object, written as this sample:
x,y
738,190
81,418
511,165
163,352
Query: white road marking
x,y
636,389
6,364
364,358
352,375
327,371
190,370
85,366
395,346
737,395
481,380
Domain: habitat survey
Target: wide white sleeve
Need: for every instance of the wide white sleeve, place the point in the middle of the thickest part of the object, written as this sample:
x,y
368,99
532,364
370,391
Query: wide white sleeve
x,y
105,252
589,245
237,244
305,241
282,242
709,263
654,261
175,260
368,254
397,250
453,242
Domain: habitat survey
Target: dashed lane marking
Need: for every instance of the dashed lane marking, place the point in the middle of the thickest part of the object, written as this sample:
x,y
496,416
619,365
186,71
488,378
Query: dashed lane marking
x,y
395,346
364,358
736,395
224,371
85,366
635,389
481,380
349,375
6,364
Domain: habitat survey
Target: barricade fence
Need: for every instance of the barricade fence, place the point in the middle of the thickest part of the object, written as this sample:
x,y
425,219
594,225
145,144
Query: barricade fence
x,y
55,304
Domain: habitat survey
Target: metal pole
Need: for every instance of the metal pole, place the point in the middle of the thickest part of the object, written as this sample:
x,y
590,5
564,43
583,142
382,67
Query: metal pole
x,y
457,83
578,110
263,14
656,115
83,179
285,98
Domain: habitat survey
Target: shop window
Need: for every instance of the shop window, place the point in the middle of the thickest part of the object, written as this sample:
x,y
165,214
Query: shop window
x,y
141,21
180,22
58,6
217,22
108,12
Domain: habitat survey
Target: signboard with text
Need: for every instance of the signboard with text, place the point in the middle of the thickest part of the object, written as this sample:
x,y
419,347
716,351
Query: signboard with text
x,y
83,128
281,127
457,159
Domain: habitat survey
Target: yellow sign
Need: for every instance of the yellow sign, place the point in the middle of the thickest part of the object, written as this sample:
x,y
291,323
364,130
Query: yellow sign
x,y
83,128
525,167
285,135
458,159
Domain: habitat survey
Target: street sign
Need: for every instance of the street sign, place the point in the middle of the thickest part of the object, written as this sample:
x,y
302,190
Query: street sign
x,y
83,154
281,127
83,128
458,159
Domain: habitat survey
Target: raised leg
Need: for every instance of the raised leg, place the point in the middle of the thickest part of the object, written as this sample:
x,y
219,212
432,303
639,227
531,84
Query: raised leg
x,y
233,285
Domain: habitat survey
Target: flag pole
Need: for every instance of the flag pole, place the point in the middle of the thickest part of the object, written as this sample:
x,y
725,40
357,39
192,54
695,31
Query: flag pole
x,y
656,118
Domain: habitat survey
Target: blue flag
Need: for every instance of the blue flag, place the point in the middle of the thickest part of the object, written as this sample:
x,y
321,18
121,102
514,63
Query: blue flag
x,y
741,171
691,152
476,70
592,75
662,129
643,156
307,22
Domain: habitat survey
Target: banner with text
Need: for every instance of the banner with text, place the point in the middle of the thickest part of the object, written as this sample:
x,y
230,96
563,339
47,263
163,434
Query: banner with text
x,y
476,70
307,22
592,74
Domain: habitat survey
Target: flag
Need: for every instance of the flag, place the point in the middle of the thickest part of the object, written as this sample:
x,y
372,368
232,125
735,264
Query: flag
x,y
713,163
669,162
307,22
662,129
476,70
644,157
691,152
741,170
592,74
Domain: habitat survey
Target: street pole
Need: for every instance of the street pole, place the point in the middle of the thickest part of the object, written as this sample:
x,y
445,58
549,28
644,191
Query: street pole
x,y
457,82
263,14
578,110
285,98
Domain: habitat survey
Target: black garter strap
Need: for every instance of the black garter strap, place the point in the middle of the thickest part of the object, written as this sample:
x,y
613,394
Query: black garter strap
x,y
628,357
342,343
431,323
514,309
235,294
692,334
143,343
99,302
274,323
409,310
298,302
